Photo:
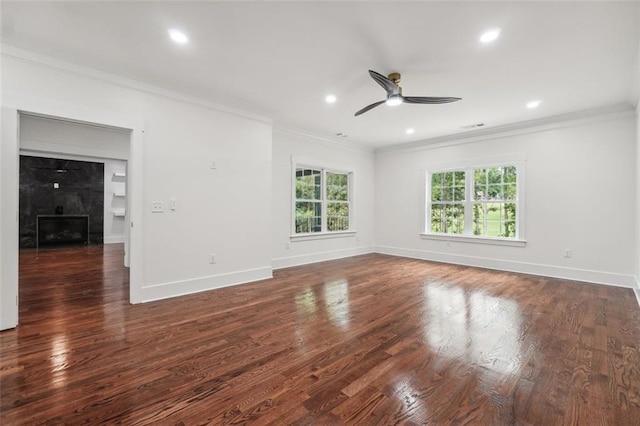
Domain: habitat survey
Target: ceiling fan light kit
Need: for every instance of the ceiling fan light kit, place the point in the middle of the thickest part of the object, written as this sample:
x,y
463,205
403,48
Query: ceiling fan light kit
x,y
391,85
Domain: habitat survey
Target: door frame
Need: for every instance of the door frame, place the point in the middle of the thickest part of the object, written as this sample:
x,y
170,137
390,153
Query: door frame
x,y
9,186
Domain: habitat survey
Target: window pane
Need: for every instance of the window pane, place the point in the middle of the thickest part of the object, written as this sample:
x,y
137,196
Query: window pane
x,y
509,215
436,193
459,179
436,218
436,180
494,175
478,219
338,216
494,192
509,192
458,193
509,229
494,219
510,174
438,187
453,219
308,184
308,217
337,187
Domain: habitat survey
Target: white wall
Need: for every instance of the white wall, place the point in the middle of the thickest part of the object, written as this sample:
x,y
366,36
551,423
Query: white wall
x,y
579,194
225,211
312,151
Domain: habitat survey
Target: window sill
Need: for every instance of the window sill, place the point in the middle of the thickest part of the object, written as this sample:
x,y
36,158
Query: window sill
x,y
476,240
322,235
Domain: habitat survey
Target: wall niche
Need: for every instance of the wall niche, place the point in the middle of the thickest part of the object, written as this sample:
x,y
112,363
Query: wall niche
x,y
56,187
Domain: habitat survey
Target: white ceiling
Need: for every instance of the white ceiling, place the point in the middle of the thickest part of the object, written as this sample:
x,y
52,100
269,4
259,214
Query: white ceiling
x,y
280,59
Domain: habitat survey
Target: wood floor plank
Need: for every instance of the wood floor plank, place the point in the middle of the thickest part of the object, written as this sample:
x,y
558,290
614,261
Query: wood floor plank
x,y
372,339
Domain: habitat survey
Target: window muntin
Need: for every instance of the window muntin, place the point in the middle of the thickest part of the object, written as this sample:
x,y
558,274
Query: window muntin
x,y
322,201
473,201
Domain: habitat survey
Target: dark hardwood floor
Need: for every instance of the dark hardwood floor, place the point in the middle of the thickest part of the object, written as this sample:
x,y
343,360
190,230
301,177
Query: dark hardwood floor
x,y
372,339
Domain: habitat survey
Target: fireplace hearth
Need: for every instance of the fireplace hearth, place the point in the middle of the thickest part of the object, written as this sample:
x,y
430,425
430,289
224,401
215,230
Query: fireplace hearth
x,y
62,230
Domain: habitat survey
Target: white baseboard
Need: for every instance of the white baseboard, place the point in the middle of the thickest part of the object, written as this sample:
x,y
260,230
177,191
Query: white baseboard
x,y
113,239
197,285
287,262
597,277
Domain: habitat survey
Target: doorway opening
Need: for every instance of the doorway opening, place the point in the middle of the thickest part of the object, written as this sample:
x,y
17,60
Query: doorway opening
x,y
72,207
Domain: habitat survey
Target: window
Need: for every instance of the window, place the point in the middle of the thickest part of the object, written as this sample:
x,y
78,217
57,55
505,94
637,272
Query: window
x,y
477,202
322,201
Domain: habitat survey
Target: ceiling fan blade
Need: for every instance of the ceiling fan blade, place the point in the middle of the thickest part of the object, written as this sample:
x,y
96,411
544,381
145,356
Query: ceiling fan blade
x,y
367,108
428,100
388,85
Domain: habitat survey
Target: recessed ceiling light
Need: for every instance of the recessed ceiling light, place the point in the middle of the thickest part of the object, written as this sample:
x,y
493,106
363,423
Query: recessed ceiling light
x,y
178,36
490,35
533,104
330,99
411,131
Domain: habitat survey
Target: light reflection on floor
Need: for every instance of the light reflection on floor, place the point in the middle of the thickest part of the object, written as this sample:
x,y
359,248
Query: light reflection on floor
x,y
336,297
474,326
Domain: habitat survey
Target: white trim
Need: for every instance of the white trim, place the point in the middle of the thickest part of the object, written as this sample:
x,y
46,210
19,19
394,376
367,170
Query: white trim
x,y
322,235
181,288
475,239
12,52
299,163
9,183
637,293
468,165
114,239
577,118
596,277
57,155
305,259
18,104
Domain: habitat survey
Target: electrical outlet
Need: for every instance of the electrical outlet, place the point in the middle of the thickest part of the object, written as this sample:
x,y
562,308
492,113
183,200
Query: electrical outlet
x,y
157,207
212,258
567,253
213,165
287,245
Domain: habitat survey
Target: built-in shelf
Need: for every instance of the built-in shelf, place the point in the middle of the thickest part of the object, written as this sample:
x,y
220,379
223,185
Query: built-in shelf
x,y
119,193
118,212
120,174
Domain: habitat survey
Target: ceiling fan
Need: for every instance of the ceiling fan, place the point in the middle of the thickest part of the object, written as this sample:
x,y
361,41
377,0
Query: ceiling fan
x,y
391,85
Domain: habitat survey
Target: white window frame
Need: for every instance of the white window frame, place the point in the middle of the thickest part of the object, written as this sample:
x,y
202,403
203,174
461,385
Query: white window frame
x,y
325,233
519,161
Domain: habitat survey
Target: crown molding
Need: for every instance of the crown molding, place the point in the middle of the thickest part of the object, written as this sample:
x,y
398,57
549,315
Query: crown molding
x,y
327,141
8,51
606,113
